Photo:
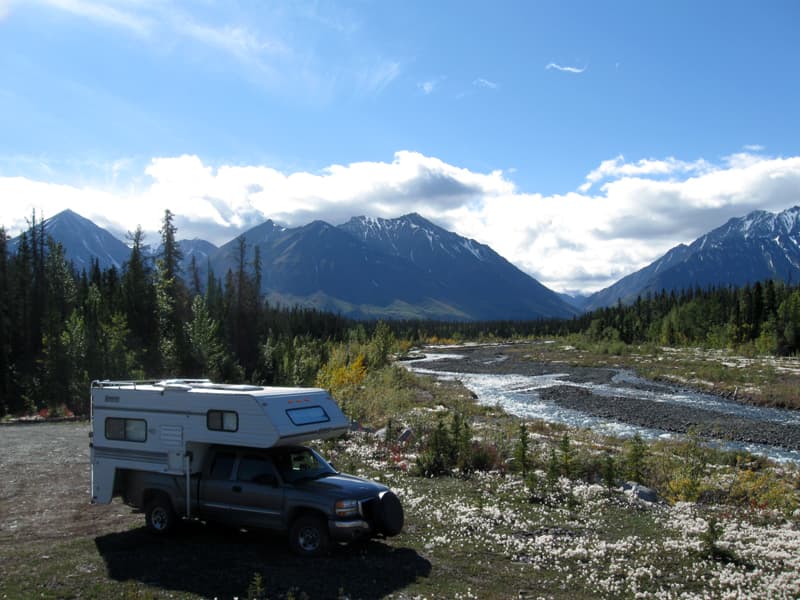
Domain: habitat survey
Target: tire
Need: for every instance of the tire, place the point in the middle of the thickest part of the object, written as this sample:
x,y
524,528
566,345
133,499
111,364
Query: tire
x,y
390,515
308,536
159,516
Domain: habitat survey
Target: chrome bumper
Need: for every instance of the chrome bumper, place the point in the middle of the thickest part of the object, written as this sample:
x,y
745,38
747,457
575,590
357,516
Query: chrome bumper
x,y
349,529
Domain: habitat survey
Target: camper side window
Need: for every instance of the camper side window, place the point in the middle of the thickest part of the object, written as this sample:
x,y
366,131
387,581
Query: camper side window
x,y
222,420
127,430
308,415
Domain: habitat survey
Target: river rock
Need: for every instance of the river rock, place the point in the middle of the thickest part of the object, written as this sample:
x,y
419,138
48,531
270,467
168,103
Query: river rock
x,y
641,492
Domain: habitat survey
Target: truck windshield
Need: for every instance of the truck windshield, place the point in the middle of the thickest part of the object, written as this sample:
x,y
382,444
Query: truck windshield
x,y
295,464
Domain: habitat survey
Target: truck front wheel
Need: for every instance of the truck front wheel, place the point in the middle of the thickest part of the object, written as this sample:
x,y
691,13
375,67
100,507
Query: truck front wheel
x,y
159,516
308,536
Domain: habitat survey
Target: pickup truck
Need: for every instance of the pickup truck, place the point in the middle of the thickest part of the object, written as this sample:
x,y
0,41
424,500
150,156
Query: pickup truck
x,y
290,489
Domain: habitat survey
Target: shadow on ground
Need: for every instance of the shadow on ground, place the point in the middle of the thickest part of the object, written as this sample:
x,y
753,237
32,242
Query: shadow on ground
x,y
213,562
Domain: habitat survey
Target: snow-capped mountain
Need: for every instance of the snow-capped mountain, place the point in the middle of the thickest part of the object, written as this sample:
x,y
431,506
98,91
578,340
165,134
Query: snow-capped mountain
x,y
389,268
366,268
411,268
476,280
416,239
83,241
759,246
200,250
323,266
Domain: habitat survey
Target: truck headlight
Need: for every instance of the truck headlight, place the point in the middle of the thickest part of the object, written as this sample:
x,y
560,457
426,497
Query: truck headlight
x,y
347,508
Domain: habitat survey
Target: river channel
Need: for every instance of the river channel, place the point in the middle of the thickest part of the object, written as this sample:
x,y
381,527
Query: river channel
x,y
612,401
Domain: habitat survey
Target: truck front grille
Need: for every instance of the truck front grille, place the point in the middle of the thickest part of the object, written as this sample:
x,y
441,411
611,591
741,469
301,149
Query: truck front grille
x,y
368,508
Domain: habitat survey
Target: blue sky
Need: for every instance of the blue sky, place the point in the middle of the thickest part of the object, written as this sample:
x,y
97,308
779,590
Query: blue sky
x,y
581,140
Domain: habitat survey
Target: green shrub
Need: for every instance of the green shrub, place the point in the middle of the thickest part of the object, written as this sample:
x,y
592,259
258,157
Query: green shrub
x,y
634,459
485,457
553,469
764,490
522,462
566,456
444,449
438,454
608,470
256,589
689,469
710,541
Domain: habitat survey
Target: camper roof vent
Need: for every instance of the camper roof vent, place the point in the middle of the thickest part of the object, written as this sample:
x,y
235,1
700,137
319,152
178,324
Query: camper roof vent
x,y
119,384
181,384
234,387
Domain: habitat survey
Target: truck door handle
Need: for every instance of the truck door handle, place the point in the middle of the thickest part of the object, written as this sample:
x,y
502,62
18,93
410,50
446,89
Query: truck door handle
x,y
237,488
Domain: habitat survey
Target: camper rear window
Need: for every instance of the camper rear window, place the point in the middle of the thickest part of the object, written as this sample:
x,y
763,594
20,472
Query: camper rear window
x,y
222,420
127,430
308,415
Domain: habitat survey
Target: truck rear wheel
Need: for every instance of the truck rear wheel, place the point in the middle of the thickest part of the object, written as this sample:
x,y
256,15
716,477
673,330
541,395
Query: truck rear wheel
x,y
308,536
159,516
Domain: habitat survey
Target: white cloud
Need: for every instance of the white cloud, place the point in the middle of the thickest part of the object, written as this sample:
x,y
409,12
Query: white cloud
x,y
485,83
617,167
742,159
106,12
283,49
375,77
429,86
565,69
571,241
240,42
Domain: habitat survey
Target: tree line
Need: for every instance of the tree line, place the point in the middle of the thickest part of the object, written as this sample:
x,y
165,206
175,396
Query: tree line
x,y
762,318
60,329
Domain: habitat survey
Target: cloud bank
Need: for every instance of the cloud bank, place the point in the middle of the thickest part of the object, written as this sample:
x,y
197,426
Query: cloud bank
x,y
623,217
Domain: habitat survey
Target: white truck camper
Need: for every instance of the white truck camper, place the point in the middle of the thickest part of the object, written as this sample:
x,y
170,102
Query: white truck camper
x,y
168,426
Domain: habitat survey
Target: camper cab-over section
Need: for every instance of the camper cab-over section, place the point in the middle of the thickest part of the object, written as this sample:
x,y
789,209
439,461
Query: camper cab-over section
x,y
166,426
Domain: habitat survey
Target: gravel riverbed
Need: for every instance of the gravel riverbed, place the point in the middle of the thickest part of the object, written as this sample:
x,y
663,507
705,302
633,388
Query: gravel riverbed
x,y
634,404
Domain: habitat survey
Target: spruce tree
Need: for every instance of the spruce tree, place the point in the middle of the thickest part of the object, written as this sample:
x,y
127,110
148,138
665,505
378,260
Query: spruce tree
x,y
139,303
171,301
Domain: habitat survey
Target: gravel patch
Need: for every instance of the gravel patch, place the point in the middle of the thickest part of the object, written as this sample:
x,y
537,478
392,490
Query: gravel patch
x,y
679,419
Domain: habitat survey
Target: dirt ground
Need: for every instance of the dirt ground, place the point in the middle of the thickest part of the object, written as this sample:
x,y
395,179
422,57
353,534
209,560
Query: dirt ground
x,y
45,515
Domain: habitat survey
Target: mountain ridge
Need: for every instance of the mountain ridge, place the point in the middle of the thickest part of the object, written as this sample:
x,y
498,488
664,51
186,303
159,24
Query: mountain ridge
x,y
83,241
462,264
411,268
760,245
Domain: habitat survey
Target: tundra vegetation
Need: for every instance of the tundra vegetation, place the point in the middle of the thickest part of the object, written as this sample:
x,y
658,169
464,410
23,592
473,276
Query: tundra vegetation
x,y
547,511
496,507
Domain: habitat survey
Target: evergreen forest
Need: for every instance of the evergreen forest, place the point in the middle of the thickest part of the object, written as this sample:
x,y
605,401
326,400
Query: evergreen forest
x,y
60,329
